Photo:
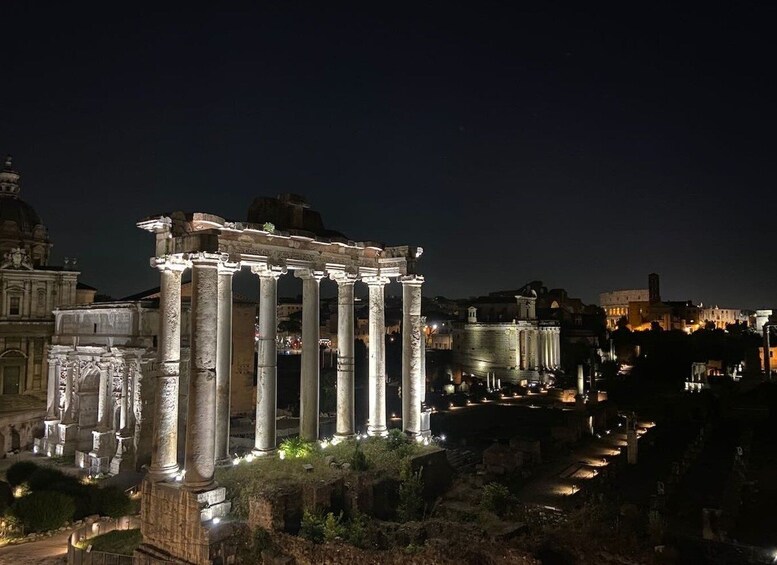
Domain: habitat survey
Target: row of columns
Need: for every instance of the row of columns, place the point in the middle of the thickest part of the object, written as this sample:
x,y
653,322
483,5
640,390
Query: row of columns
x,y
207,431
550,350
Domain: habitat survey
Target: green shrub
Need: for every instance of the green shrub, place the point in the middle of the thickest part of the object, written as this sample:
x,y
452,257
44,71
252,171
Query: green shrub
x,y
111,501
6,496
411,501
296,447
359,459
396,438
333,527
356,530
312,527
20,472
45,478
44,510
495,498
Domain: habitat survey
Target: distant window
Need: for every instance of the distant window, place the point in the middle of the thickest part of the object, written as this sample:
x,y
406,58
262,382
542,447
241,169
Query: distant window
x,y
15,306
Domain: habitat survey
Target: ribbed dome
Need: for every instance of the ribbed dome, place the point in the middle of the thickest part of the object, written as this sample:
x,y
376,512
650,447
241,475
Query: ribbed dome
x,y
20,225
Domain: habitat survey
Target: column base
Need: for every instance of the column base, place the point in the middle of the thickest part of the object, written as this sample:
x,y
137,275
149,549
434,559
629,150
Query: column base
x,y
264,452
377,432
160,474
338,438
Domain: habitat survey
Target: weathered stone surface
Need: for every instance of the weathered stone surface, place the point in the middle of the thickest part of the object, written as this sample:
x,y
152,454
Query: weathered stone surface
x,y
277,511
500,459
323,496
172,527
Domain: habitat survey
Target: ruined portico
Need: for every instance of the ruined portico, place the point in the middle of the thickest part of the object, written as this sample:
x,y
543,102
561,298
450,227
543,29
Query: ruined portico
x,y
214,249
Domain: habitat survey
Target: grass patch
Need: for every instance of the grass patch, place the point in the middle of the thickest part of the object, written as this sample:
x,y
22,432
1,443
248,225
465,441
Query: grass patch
x,y
123,542
376,456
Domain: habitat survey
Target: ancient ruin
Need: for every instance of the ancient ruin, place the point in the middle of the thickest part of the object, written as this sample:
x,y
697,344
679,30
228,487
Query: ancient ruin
x,y
180,503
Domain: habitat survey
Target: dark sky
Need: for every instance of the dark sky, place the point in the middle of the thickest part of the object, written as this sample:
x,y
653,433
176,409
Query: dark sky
x,y
584,147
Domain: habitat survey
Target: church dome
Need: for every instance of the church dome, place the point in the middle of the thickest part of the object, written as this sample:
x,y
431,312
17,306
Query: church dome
x,y
20,226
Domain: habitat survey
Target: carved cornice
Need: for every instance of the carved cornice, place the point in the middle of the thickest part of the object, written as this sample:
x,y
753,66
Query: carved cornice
x,y
376,280
343,278
412,280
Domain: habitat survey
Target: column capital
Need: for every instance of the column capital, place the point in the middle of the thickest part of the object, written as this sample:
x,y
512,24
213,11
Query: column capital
x,y
203,258
310,274
376,280
269,271
412,280
227,267
173,263
343,278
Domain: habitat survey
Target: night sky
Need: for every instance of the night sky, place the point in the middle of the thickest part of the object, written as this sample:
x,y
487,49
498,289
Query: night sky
x,y
583,148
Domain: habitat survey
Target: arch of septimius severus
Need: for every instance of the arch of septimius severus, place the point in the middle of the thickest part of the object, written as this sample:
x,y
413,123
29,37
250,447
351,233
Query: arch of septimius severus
x,y
214,249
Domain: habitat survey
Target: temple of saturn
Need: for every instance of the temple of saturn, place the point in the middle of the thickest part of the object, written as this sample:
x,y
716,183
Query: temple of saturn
x,y
180,503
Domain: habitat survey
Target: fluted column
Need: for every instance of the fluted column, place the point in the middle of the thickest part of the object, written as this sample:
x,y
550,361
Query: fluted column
x,y
267,361
346,417
557,347
201,415
309,379
124,400
164,442
412,386
376,421
67,408
52,392
103,398
224,359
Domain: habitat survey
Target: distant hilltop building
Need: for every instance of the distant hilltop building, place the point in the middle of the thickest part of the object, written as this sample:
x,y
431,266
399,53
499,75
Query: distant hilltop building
x,y
641,308
30,289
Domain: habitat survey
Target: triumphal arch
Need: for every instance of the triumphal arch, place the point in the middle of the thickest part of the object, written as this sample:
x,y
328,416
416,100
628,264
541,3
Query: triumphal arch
x,y
181,502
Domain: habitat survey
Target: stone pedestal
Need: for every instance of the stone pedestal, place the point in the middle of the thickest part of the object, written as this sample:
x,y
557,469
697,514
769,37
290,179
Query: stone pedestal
x,y
103,447
124,457
177,524
47,444
67,440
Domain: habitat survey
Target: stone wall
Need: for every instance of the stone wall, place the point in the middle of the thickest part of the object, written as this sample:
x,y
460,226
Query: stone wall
x,y
172,522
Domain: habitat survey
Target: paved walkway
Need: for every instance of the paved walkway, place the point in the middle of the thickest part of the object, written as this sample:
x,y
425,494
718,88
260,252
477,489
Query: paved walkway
x,y
48,551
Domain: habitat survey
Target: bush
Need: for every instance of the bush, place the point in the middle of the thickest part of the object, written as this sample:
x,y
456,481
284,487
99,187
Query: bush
x,y
396,438
496,498
46,478
296,447
333,527
411,501
312,527
359,459
356,530
111,501
20,472
6,496
44,510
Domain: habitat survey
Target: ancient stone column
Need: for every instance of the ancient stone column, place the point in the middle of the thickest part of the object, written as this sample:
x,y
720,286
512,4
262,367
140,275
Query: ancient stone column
x,y
267,362
164,442
52,392
224,359
309,379
412,385
201,415
346,417
67,408
376,422
104,397
124,400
